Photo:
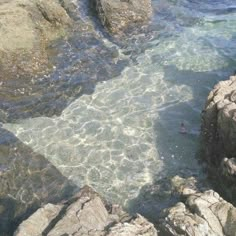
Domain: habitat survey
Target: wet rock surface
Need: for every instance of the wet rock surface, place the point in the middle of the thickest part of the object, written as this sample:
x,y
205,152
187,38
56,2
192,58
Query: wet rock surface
x,y
118,15
27,180
201,214
219,135
60,57
85,214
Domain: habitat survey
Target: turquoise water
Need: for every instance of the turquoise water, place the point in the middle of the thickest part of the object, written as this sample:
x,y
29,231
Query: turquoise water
x,y
125,133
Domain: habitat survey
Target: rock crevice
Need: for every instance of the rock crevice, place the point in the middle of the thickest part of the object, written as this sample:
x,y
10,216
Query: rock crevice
x,y
85,214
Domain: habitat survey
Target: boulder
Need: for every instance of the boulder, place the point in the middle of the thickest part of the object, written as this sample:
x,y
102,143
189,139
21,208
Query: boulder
x,y
84,214
201,214
27,26
117,15
219,122
219,135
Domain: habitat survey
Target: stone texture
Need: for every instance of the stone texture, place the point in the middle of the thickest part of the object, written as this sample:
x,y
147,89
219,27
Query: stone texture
x,y
229,167
117,15
139,226
34,74
27,26
38,222
219,135
201,214
85,214
219,122
27,181
184,186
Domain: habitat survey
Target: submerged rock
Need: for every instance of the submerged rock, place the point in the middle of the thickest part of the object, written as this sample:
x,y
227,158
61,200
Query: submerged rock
x,y
85,214
117,15
27,180
201,214
219,135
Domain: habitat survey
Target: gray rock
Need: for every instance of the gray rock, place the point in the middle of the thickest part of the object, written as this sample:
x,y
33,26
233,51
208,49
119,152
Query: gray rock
x,y
219,134
201,214
229,167
39,221
84,214
139,226
184,186
117,15
219,122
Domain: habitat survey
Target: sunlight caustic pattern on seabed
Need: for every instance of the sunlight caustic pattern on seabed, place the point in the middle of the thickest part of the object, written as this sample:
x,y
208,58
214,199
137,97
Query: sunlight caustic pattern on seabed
x,y
108,139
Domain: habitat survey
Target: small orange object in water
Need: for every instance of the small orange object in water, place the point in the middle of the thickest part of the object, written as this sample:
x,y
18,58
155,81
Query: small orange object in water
x,y
182,129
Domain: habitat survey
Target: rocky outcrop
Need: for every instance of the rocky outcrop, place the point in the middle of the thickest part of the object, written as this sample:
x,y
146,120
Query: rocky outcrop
x,y
219,135
27,26
201,214
36,70
88,214
27,180
219,122
117,15
85,214
229,167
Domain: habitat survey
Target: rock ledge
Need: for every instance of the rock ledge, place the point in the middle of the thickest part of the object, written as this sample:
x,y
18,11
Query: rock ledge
x,y
85,214
219,136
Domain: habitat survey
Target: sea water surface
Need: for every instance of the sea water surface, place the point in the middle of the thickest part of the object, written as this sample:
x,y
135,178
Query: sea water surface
x,y
125,133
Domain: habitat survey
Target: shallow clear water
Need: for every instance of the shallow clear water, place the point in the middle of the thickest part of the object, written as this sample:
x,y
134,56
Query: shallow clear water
x,y
125,134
